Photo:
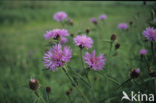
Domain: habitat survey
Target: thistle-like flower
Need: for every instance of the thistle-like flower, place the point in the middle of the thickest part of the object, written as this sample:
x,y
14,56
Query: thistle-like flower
x,y
123,26
103,17
93,20
94,62
143,52
57,34
83,41
56,57
150,34
60,16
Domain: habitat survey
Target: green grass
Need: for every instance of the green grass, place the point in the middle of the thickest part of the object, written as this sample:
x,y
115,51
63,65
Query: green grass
x,y
22,47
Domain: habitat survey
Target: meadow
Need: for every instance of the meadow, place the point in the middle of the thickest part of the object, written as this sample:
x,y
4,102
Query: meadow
x,y
22,47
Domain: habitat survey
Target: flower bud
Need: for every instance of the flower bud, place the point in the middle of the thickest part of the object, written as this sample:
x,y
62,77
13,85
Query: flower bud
x,y
68,93
33,84
48,89
117,45
144,2
135,73
152,72
113,37
87,30
95,78
70,21
72,34
131,23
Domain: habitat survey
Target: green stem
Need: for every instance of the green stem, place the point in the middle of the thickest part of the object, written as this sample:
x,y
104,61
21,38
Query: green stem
x,y
77,87
152,49
83,66
48,98
71,79
62,23
38,95
124,83
82,94
111,79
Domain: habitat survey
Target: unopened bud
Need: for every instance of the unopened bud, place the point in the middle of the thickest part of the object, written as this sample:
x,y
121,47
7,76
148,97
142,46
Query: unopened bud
x,y
113,37
117,45
87,30
70,21
68,93
72,34
48,89
131,23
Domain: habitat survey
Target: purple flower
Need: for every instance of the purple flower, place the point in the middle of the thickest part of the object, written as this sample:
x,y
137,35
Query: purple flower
x,y
150,34
154,20
123,26
63,40
83,41
59,16
56,57
137,70
94,62
93,20
103,17
57,34
143,52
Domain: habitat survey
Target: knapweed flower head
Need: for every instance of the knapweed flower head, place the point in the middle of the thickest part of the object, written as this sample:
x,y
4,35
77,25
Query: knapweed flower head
x,y
83,41
154,20
150,34
33,84
143,52
56,57
123,26
60,16
93,20
94,62
135,73
103,17
57,34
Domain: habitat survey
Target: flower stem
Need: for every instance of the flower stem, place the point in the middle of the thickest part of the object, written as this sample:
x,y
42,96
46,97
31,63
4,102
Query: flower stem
x,y
82,94
76,86
124,83
152,49
38,95
110,78
83,66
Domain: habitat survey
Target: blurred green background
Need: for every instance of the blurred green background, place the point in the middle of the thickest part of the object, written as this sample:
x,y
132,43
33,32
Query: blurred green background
x,y
22,46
